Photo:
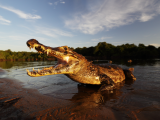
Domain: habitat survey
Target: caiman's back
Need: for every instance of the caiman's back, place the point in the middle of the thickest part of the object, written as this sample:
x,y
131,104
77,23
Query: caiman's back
x,y
95,74
114,72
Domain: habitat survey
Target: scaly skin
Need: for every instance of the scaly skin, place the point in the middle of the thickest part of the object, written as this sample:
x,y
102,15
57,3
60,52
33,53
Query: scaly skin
x,y
76,67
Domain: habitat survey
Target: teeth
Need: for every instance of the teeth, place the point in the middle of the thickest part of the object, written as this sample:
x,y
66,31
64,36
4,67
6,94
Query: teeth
x,y
27,70
29,73
42,47
35,45
48,51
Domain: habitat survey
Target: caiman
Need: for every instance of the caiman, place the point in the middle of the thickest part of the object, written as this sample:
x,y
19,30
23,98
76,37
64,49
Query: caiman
x,y
78,68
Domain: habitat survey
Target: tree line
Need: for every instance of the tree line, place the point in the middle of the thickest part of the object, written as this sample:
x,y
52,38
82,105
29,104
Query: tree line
x,y
8,55
105,50
102,50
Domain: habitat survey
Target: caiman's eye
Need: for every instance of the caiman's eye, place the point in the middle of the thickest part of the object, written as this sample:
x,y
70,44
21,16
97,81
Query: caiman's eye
x,y
65,48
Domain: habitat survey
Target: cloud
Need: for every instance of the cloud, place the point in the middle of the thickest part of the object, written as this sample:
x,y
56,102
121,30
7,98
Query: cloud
x,y
50,3
20,38
21,14
59,1
145,17
24,37
51,32
4,21
62,2
156,45
108,14
55,3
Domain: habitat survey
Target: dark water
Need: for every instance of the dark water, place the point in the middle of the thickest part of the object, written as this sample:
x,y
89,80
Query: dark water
x,y
138,99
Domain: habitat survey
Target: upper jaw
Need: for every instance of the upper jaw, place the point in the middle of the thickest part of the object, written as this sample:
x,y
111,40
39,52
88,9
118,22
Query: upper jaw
x,y
32,43
64,59
58,52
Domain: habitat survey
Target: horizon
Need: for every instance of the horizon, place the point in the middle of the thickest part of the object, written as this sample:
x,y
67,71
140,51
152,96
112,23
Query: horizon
x,y
32,50
81,23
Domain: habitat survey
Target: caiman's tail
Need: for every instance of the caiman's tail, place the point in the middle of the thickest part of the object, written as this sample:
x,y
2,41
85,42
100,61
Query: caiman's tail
x,y
129,74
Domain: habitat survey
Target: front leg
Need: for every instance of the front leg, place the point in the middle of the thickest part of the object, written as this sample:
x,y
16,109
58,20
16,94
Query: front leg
x,y
106,87
106,83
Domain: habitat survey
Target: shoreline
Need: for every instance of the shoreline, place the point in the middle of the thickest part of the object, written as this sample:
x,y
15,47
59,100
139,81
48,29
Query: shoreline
x,y
17,102
20,103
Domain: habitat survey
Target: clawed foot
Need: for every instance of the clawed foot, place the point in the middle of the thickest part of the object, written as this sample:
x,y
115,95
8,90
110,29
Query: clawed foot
x,y
106,87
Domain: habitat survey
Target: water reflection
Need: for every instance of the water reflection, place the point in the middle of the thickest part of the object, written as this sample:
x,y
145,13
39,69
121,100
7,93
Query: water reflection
x,y
24,64
139,99
142,62
3,73
89,96
6,64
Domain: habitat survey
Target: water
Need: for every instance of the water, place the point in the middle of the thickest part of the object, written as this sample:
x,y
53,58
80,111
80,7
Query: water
x,y
44,84
131,100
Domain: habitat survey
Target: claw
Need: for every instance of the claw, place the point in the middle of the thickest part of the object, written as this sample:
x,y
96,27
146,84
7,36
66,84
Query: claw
x,y
48,51
29,73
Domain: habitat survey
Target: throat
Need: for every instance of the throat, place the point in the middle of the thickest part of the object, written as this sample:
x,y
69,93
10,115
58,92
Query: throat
x,y
58,65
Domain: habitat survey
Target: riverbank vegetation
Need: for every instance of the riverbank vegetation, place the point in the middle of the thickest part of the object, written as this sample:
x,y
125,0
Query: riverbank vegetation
x,y
105,50
8,55
102,50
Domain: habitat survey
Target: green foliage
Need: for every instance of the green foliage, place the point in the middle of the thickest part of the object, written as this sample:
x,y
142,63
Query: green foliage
x,y
9,55
130,51
102,49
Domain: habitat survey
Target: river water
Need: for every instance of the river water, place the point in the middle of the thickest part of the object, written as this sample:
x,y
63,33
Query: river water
x,y
138,99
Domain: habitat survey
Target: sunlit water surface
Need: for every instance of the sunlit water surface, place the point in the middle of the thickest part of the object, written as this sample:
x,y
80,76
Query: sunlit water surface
x,y
140,96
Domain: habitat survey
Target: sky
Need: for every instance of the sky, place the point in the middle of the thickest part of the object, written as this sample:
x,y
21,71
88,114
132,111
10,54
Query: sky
x,y
78,23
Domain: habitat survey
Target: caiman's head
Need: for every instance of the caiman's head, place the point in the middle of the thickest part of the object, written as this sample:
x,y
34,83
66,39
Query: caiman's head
x,y
68,60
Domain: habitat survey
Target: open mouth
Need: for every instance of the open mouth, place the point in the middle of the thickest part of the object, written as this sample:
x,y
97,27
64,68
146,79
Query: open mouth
x,y
61,53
